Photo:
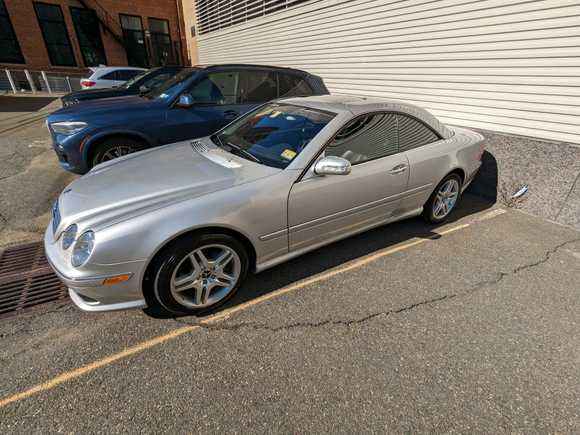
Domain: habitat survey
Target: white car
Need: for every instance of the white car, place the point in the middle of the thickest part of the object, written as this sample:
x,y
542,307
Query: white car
x,y
109,76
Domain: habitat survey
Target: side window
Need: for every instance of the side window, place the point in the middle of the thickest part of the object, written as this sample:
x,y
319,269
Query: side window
x,y
216,88
292,86
257,86
413,133
365,138
109,76
127,74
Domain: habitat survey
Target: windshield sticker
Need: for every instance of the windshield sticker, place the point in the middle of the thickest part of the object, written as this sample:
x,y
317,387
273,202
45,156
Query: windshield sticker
x,y
288,154
275,113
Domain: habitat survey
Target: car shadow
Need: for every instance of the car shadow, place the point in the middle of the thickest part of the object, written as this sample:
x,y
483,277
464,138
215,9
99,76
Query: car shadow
x,y
480,196
24,104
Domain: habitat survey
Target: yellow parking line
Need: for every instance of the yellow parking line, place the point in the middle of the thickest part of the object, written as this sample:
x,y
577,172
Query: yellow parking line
x,y
147,344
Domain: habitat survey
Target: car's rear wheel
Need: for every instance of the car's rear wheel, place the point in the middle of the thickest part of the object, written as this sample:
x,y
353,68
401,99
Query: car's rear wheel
x,y
113,148
198,273
443,199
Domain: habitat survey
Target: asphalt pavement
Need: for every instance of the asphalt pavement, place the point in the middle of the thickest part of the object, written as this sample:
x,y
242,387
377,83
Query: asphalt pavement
x,y
471,327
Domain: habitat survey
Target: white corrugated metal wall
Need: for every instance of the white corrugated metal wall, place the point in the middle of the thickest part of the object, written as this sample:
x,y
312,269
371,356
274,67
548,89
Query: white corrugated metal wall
x,y
505,65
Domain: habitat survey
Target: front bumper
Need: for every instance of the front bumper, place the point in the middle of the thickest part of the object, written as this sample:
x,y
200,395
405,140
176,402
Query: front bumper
x,y
68,151
85,284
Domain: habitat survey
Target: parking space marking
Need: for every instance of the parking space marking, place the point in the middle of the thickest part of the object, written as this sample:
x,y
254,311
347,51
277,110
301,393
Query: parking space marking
x,y
148,344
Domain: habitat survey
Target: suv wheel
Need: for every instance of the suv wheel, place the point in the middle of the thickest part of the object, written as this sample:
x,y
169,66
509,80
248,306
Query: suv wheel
x,y
115,147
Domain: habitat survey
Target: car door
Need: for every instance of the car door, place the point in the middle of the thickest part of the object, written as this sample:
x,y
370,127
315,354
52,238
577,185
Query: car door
x,y
215,98
428,160
325,208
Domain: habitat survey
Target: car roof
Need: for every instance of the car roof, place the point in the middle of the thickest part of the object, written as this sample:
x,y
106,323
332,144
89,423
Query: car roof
x,y
359,105
250,66
99,69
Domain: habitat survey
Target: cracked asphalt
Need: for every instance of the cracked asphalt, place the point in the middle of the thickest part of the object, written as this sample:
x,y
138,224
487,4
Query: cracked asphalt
x,y
475,331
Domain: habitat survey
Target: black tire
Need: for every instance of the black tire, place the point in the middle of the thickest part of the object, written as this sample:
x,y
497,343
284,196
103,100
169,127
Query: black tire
x,y
429,207
106,150
157,285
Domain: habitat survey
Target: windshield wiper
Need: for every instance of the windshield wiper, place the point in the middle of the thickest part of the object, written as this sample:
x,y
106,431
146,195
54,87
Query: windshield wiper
x,y
231,147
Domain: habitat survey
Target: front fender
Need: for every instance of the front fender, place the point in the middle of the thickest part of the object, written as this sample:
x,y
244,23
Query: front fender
x,y
91,140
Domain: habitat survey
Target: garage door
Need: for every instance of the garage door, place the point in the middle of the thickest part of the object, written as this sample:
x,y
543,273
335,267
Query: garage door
x,y
504,65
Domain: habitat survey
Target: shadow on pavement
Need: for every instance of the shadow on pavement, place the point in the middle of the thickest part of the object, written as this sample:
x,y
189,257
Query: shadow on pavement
x,y
341,252
24,104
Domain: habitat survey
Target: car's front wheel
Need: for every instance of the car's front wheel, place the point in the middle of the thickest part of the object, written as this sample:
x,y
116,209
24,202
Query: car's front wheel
x,y
113,148
198,273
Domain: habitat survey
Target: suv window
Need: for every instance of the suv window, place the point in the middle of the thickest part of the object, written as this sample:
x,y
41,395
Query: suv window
x,y
257,86
216,88
365,138
126,74
292,86
109,76
413,133
155,81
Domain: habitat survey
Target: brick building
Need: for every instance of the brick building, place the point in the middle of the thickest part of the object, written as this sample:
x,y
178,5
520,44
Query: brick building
x,y
70,35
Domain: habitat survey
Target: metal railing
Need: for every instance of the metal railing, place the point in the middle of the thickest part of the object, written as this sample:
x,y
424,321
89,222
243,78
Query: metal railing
x,y
18,81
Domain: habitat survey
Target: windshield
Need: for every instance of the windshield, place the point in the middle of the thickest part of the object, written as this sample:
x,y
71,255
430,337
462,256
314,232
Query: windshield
x,y
134,80
274,134
170,87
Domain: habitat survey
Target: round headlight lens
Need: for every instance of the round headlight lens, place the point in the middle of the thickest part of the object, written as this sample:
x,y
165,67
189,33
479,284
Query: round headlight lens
x,y
69,236
83,248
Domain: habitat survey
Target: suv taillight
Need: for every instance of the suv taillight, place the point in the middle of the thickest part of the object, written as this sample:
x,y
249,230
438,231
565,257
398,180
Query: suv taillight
x,y
87,83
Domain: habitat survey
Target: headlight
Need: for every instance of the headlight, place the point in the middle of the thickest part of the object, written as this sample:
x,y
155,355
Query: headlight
x,y
68,128
83,248
69,236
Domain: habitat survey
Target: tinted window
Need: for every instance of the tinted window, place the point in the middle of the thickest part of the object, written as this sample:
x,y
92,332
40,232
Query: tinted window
x,y
257,86
113,75
126,74
275,133
173,86
55,34
88,33
9,48
216,88
366,138
413,133
292,86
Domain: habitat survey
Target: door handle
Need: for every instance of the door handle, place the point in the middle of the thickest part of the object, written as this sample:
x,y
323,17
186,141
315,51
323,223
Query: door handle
x,y
398,169
230,114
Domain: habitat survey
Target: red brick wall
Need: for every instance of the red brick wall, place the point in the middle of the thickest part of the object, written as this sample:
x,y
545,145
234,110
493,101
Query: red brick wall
x,y
31,42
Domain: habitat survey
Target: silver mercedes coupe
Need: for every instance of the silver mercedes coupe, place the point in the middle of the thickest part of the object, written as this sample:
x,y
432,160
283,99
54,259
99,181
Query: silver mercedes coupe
x,y
178,227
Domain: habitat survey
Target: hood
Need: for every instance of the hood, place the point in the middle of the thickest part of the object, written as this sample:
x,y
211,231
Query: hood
x,y
105,105
152,179
90,94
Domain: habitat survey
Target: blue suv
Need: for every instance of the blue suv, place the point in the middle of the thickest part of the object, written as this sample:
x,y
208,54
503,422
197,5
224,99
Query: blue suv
x,y
195,102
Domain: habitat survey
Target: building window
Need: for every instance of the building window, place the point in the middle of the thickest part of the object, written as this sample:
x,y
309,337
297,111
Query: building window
x,y
55,34
9,47
211,17
134,38
88,33
161,48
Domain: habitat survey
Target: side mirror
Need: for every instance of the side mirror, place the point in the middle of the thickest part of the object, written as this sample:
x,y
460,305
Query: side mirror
x,y
185,101
143,89
332,165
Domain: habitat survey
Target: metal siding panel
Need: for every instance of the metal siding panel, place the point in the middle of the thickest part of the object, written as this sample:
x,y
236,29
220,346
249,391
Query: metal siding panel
x,y
493,64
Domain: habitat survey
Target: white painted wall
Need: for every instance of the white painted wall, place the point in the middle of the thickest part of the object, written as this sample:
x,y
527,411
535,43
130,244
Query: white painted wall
x,y
505,65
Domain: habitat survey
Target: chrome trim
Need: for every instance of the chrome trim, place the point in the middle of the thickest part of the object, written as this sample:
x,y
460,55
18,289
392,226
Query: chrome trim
x,y
274,235
97,306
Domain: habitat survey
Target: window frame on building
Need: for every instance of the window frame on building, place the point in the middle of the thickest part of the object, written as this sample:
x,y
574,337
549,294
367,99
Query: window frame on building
x,y
18,57
126,31
62,23
154,36
99,42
